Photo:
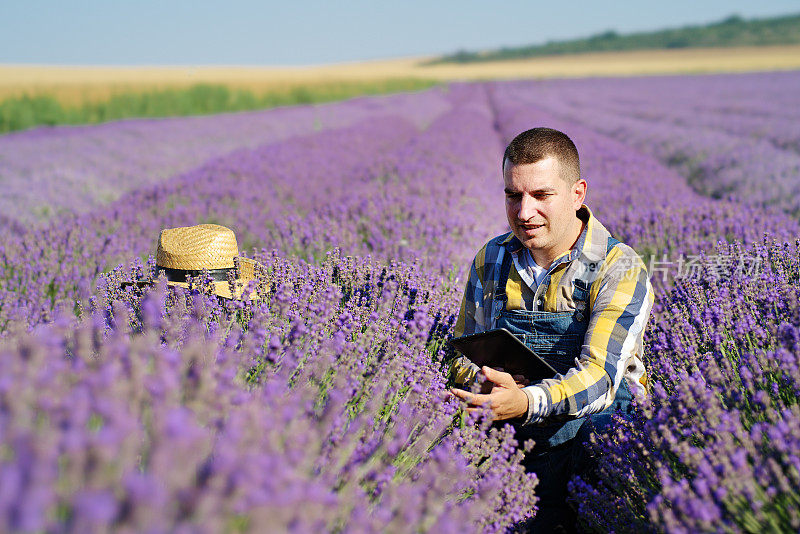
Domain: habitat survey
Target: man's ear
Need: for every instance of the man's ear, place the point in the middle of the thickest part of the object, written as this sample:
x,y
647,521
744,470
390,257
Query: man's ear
x,y
579,192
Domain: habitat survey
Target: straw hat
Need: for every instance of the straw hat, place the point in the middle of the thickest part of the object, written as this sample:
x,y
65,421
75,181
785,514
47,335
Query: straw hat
x,y
189,250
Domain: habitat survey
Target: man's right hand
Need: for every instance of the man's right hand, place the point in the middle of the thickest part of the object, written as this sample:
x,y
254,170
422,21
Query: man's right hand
x,y
506,399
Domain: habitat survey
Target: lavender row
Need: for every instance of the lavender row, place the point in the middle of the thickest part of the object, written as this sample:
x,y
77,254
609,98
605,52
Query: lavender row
x,y
716,445
754,106
637,197
163,414
719,160
373,487
74,169
60,262
377,188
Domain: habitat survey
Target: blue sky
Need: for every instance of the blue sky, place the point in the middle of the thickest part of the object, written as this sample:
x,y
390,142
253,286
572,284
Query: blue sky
x,y
303,32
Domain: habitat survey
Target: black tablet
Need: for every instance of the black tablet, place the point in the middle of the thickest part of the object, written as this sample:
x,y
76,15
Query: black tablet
x,y
501,349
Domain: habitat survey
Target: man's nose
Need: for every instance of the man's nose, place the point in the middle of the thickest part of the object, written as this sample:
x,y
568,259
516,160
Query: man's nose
x,y
527,208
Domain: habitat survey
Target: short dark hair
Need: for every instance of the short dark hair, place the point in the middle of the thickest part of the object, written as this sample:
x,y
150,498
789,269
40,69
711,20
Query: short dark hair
x,y
537,144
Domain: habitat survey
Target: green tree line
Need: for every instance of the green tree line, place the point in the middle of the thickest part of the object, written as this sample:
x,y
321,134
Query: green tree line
x,y
732,31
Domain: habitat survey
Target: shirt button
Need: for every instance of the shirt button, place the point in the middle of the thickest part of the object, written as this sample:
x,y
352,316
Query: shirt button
x,y
539,302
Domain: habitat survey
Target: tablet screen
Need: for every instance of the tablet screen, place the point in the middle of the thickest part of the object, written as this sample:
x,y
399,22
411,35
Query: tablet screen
x,y
500,349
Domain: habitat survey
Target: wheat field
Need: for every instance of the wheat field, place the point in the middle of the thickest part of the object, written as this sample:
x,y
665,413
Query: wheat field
x,y
73,85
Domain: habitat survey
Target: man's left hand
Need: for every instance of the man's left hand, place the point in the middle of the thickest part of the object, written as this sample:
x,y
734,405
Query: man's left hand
x,y
506,399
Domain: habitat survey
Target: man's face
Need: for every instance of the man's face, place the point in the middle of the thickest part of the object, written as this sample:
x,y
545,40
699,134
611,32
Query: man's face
x,y
541,206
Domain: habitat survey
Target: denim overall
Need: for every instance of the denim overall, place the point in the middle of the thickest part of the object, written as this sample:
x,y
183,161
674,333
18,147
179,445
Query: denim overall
x,y
557,337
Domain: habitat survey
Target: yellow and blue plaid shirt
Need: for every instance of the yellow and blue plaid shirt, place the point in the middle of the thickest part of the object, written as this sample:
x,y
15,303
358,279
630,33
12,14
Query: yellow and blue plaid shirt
x,y
620,300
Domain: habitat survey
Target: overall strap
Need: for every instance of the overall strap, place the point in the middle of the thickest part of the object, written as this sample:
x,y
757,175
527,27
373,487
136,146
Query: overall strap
x,y
505,269
580,292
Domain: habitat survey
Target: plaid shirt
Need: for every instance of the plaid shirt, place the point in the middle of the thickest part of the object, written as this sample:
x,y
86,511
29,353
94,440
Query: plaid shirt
x,y
620,300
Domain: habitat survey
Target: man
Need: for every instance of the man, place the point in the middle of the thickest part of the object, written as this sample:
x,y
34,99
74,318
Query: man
x,y
573,294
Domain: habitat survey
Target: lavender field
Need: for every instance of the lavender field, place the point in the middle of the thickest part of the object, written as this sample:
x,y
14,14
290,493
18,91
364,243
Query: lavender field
x,y
318,406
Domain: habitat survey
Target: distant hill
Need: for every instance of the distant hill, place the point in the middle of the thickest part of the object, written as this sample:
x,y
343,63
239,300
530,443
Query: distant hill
x,y
732,31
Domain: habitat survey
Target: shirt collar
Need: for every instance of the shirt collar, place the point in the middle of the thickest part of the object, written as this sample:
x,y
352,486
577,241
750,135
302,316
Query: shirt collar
x,y
592,243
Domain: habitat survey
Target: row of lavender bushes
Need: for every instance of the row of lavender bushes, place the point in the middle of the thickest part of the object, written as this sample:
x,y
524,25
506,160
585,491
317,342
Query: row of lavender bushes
x,y
340,349
315,407
378,187
716,446
77,169
731,136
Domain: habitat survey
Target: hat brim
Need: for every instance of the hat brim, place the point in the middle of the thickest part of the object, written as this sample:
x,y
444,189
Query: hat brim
x,y
247,268
222,289
247,272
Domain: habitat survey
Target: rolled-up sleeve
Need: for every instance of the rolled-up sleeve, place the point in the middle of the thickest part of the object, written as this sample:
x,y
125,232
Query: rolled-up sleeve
x,y
620,302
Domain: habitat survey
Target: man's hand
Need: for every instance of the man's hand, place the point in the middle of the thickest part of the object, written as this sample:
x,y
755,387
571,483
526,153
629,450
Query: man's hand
x,y
506,399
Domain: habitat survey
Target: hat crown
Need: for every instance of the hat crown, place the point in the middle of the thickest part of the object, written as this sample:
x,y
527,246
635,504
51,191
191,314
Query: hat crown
x,y
204,246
